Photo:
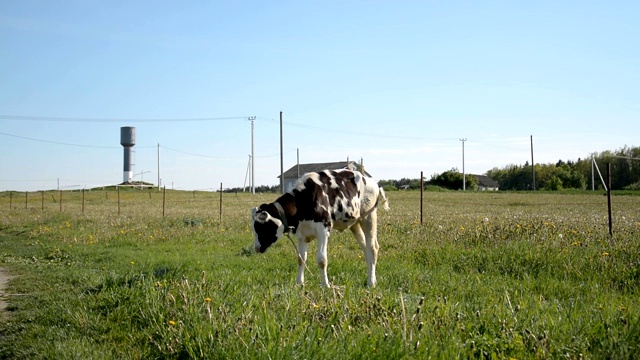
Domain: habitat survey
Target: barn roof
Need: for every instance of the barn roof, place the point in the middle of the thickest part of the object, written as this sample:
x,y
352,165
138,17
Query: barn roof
x,y
314,167
486,181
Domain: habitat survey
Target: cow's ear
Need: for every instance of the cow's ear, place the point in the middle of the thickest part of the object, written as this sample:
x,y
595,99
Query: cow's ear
x,y
259,215
263,207
262,216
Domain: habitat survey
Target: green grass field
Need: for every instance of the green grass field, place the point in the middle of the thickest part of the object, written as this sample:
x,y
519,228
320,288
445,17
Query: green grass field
x,y
487,275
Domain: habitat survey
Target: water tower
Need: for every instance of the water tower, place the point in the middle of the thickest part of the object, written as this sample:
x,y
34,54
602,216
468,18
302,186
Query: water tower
x,y
128,140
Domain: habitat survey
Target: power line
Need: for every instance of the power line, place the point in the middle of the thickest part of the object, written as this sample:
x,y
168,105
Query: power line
x,y
137,147
347,132
57,142
625,157
205,119
201,155
221,157
110,120
357,133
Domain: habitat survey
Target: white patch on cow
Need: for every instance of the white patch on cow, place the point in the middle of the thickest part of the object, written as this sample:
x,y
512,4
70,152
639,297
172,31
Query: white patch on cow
x,y
300,185
358,178
332,182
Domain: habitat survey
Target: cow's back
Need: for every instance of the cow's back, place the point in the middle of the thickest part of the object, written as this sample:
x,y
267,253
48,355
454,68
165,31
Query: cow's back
x,y
335,197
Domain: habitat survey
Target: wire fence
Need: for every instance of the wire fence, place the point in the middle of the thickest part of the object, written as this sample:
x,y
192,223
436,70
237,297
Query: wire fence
x,y
120,202
406,206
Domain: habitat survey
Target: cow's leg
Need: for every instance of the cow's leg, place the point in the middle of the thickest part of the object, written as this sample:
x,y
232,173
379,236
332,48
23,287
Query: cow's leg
x,y
370,228
358,234
321,256
302,260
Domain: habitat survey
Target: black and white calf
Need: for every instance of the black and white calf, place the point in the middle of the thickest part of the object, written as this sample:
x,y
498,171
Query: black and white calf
x,y
320,202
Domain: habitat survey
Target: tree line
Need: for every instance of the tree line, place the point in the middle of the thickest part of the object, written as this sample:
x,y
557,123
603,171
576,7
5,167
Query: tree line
x,y
625,174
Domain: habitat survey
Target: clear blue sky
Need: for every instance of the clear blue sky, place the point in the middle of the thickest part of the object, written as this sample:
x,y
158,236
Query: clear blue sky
x,y
396,83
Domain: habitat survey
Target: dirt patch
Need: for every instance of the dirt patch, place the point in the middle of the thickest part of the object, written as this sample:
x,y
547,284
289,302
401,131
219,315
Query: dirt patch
x,y
4,280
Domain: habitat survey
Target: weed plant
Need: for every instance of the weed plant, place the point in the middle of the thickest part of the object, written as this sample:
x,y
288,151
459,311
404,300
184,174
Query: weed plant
x,y
486,275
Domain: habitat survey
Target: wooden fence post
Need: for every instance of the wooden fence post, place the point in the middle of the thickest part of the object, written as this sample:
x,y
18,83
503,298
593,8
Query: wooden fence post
x,y
118,200
220,202
42,200
83,201
609,198
421,194
26,200
164,200
60,200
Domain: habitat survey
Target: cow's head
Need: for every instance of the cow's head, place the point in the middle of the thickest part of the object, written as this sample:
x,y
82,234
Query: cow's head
x,y
266,228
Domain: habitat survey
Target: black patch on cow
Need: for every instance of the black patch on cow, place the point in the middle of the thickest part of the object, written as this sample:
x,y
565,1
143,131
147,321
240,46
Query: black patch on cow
x,y
267,231
311,204
267,234
314,201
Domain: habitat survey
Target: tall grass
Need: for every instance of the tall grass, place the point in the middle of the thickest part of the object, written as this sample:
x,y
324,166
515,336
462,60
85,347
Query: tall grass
x,y
485,276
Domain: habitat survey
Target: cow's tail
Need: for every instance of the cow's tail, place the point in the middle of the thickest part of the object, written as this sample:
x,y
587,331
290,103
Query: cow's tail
x,y
382,199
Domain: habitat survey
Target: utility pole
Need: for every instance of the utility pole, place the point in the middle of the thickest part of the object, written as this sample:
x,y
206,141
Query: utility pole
x,y
533,168
253,168
158,166
298,162
246,176
593,177
464,176
281,158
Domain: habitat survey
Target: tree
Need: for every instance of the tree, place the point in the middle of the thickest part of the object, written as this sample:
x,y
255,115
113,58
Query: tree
x,y
548,176
453,179
554,184
512,177
625,166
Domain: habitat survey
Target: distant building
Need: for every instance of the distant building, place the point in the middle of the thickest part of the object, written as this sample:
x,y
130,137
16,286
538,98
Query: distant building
x,y
486,183
294,173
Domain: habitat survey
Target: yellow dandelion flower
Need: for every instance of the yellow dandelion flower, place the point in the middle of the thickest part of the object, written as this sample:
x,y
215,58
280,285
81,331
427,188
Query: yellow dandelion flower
x,y
605,254
207,299
172,323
